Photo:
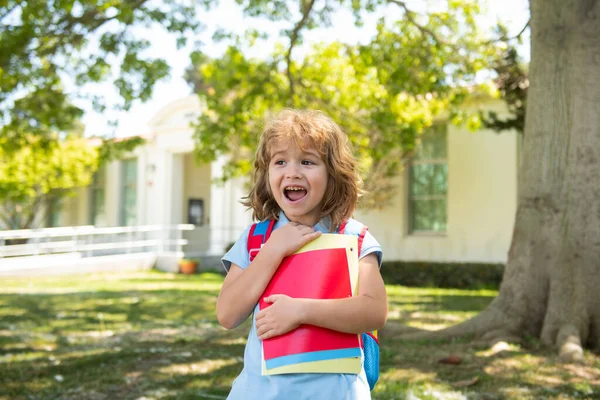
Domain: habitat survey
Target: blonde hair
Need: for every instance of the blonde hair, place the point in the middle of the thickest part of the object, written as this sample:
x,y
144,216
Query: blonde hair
x,y
333,146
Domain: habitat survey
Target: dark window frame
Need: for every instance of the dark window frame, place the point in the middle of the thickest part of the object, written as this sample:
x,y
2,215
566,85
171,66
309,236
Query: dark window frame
x,y
124,219
98,186
413,199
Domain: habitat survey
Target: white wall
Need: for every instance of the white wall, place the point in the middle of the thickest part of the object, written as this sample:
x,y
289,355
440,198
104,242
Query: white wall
x,y
228,218
196,184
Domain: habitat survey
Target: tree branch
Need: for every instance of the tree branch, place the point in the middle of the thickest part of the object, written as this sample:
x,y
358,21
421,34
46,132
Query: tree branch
x,y
33,211
64,33
517,36
6,219
410,15
508,39
90,16
293,39
522,30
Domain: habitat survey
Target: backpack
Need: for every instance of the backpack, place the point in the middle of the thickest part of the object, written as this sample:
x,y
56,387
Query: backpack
x,y
258,235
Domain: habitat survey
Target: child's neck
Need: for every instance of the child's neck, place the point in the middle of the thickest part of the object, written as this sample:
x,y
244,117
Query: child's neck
x,y
310,221
304,220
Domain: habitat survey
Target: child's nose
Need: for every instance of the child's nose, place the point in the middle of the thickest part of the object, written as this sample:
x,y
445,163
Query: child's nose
x,y
293,172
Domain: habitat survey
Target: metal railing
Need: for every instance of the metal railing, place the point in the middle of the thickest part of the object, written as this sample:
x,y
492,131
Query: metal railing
x,y
89,241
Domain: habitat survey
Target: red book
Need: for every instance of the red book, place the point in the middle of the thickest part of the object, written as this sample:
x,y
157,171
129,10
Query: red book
x,y
314,274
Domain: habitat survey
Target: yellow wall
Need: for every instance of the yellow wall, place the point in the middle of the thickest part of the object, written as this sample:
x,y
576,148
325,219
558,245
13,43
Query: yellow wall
x,y
79,209
482,198
76,210
196,185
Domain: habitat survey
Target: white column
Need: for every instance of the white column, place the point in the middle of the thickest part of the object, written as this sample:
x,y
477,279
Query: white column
x,y
218,210
142,173
113,194
240,217
228,218
164,192
177,183
152,194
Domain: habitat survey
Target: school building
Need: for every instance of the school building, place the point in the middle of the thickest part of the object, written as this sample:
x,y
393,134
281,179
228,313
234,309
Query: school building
x,y
456,200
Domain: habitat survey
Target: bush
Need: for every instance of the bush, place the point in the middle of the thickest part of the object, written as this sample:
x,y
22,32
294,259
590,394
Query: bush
x,y
443,275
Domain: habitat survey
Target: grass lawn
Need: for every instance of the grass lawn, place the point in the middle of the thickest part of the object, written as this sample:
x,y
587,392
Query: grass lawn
x,y
153,335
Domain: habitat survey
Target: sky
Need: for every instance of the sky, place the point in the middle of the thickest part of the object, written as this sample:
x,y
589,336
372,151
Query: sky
x,y
513,13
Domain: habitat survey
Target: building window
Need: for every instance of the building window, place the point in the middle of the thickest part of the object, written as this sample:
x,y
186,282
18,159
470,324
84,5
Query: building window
x,y
53,213
98,198
128,192
428,183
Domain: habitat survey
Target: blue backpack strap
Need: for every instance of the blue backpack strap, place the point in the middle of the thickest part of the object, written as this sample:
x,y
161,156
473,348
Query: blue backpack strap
x,y
259,233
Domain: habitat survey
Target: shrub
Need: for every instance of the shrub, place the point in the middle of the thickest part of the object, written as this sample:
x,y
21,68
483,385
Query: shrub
x,y
443,275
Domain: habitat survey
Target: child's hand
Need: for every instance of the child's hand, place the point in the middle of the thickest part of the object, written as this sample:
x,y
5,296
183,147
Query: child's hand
x,y
290,238
282,316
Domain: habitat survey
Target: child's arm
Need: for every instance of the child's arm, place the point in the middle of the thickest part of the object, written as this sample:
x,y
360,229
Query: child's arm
x,y
242,287
362,313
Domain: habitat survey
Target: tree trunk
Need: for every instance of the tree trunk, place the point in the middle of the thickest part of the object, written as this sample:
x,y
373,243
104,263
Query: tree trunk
x,y
551,285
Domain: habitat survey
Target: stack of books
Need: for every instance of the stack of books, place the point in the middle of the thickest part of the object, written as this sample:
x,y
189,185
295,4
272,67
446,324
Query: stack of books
x,y
326,268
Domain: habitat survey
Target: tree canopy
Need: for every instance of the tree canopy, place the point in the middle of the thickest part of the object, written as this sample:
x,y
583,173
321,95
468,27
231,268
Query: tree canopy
x,y
49,51
33,177
384,93
47,46
512,82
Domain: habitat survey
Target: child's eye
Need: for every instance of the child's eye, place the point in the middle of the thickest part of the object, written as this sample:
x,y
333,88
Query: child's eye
x,y
279,162
307,162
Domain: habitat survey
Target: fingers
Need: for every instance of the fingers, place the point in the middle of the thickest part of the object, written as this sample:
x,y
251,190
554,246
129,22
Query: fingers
x,y
309,237
261,329
267,335
262,314
272,299
303,230
265,330
307,230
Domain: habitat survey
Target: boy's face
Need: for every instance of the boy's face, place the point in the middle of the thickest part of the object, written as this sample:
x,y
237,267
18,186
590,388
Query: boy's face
x,y
298,180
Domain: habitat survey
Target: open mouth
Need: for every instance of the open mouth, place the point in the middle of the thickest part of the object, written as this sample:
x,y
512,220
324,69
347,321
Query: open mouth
x,y
294,193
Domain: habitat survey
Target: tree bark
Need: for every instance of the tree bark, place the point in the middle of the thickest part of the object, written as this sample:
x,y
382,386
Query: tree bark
x,y
551,285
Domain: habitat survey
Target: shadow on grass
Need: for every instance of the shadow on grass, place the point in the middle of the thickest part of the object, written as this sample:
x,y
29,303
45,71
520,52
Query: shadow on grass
x,y
411,369
446,303
129,371
92,310
138,340
114,344
416,369
523,373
